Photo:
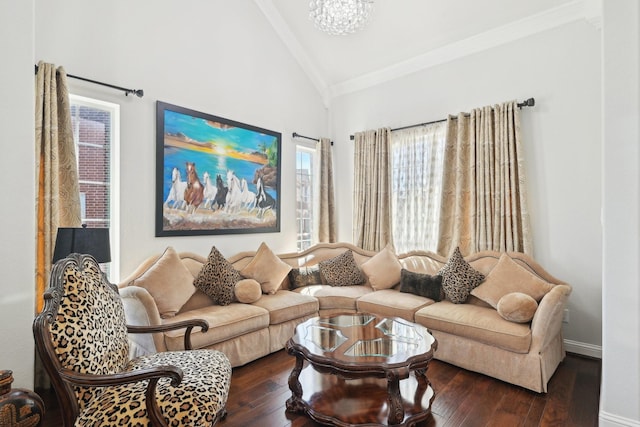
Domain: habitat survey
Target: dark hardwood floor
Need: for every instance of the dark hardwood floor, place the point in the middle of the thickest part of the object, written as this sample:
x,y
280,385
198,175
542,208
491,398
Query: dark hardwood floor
x,y
259,391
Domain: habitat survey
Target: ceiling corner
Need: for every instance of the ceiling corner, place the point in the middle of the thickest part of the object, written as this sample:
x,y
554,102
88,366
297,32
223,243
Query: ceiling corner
x,y
291,42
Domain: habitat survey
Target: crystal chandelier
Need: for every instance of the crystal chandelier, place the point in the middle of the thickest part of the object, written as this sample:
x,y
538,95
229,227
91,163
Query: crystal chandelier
x,y
339,17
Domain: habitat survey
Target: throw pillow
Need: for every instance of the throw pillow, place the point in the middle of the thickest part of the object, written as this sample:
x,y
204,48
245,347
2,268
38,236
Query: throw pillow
x,y
218,278
421,284
506,277
342,270
305,276
169,282
459,278
267,269
248,291
517,307
383,269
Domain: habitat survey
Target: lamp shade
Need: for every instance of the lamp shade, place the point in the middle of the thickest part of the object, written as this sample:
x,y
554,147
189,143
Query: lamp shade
x,y
92,241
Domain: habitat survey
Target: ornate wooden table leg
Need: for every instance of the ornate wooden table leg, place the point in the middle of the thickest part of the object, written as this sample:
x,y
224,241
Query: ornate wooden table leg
x,y
423,384
396,407
295,403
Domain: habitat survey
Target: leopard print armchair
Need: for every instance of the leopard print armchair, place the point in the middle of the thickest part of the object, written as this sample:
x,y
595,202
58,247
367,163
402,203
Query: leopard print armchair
x,y
82,338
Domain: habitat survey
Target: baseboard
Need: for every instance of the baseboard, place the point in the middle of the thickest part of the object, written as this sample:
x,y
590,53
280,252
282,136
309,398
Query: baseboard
x,y
611,420
583,349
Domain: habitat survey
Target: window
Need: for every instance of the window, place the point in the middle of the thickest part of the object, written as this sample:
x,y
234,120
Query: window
x,y
416,186
95,132
305,201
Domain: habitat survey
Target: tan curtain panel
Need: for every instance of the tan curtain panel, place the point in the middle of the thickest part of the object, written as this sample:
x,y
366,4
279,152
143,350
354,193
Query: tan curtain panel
x,y
327,209
372,189
484,200
58,195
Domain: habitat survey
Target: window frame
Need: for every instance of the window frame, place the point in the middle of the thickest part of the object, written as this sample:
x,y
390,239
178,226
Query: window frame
x,y
114,175
311,149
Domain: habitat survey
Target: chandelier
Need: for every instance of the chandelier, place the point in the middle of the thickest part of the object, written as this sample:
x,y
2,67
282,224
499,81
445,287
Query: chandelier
x,y
340,17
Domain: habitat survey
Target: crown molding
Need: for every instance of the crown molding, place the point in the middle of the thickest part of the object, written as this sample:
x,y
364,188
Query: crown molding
x,y
294,46
589,10
549,19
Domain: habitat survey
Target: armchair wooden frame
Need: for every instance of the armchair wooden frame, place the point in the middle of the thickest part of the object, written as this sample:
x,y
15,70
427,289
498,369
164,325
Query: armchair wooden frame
x,y
63,379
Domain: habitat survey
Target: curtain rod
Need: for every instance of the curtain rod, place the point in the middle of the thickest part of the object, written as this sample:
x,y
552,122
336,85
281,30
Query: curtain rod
x,y
297,135
526,103
137,92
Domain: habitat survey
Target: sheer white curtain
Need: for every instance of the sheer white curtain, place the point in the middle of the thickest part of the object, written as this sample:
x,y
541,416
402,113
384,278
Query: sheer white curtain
x,y
416,186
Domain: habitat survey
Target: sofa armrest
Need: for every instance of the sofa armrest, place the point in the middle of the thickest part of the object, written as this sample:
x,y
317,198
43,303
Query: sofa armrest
x,y
140,309
188,324
547,321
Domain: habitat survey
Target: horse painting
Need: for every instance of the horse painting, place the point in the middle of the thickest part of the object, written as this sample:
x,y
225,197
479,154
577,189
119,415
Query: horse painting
x,y
221,193
210,190
194,193
264,201
176,192
234,195
248,197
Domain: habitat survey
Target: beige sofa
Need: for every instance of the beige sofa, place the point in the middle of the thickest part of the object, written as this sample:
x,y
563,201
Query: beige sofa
x,y
472,335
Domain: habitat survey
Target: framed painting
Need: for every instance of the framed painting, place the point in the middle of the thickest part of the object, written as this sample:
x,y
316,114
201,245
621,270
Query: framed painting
x,y
214,175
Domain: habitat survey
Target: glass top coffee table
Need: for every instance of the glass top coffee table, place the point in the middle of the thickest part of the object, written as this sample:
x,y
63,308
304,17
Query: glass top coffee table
x,y
361,369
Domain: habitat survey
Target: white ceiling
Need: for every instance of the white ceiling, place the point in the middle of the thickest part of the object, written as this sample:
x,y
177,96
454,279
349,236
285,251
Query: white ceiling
x,y
406,35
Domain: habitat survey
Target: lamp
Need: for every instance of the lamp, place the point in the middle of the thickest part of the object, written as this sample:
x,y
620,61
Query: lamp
x,y
338,17
92,241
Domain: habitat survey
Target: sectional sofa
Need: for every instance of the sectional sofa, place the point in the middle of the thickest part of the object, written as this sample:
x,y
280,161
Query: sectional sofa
x,y
507,325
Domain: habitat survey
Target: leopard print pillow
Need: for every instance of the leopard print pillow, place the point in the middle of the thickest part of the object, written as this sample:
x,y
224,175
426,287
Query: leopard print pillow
x,y
218,278
459,278
342,270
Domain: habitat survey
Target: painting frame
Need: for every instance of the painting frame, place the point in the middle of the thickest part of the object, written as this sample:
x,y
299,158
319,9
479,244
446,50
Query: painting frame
x,y
215,175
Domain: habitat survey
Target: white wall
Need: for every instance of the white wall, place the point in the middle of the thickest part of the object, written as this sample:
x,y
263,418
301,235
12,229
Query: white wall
x,y
620,393
214,56
17,231
561,69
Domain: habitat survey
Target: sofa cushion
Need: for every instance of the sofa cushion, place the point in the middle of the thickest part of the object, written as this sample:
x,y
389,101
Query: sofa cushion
x,y
459,278
383,269
247,291
506,277
287,305
517,307
421,284
305,276
392,303
169,283
342,270
225,322
267,269
218,278
477,323
336,297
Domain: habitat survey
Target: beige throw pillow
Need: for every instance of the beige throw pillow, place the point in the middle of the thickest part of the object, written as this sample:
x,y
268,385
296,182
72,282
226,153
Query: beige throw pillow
x,y
267,269
383,269
507,277
168,281
517,307
248,291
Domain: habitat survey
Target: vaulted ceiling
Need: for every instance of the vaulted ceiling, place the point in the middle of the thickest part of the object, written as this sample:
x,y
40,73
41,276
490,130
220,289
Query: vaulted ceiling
x,y
404,36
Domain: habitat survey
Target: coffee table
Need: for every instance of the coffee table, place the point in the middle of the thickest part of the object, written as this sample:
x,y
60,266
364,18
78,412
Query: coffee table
x,y
361,369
